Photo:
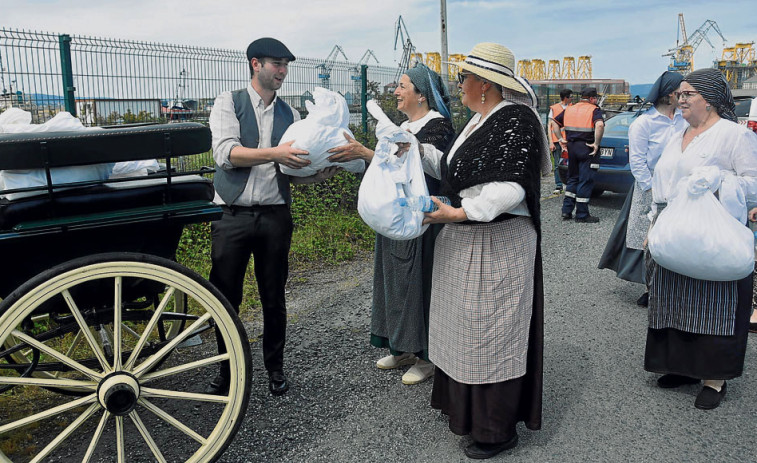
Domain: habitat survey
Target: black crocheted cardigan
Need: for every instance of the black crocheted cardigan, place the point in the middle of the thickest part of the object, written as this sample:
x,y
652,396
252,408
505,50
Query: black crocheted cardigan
x,y
440,133
506,148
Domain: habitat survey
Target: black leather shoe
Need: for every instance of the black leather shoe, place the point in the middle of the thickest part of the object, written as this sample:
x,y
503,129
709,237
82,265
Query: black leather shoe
x,y
587,219
643,301
277,382
709,398
567,216
753,327
670,381
481,451
219,386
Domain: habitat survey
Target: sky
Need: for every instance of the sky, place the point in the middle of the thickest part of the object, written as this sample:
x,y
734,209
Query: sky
x,y
624,38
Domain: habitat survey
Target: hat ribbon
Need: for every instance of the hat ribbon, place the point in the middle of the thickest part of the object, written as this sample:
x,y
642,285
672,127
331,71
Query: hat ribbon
x,y
489,65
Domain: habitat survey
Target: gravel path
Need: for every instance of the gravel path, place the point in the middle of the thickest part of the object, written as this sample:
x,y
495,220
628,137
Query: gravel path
x,y
599,403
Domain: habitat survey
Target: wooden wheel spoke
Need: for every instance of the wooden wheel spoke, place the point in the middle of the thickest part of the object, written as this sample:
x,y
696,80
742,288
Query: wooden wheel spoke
x,y
120,448
50,382
93,344
54,353
96,437
162,414
184,367
166,394
117,328
48,413
66,432
149,328
147,437
165,350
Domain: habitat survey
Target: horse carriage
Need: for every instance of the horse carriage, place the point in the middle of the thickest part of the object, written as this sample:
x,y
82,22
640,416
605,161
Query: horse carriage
x,y
106,342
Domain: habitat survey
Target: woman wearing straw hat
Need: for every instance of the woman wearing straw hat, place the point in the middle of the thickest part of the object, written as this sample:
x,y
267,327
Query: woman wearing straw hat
x,y
402,268
486,322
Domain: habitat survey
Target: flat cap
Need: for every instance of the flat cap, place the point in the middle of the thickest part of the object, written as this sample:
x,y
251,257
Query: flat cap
x,y
268,48
589,92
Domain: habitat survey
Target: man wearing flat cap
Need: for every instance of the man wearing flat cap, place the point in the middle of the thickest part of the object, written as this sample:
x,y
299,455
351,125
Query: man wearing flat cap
x,y
247,125
584,126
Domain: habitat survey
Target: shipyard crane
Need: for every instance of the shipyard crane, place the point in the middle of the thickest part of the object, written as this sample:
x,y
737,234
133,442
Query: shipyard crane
x,y
367,57
356,73
682,56
324,69
401,34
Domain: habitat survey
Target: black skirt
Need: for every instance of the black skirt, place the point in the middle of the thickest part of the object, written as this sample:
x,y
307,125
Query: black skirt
x,y
703,356
627,263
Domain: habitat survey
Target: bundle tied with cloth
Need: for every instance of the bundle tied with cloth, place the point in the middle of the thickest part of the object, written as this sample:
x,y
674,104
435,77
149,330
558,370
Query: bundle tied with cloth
x,y
701,236
389,178
322,129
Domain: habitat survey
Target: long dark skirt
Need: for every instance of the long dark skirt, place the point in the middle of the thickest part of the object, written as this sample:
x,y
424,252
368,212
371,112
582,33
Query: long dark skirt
x,y
700,355
489,412
627,263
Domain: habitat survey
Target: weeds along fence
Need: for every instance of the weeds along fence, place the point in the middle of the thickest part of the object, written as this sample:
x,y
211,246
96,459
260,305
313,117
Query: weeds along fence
x,y
112,81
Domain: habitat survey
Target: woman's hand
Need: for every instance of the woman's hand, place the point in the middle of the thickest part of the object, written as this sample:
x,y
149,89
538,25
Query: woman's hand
x,y
445,213
351,151
753,214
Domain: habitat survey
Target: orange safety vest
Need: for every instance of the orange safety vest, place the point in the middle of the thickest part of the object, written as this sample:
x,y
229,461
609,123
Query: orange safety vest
x,y
579,117
557,109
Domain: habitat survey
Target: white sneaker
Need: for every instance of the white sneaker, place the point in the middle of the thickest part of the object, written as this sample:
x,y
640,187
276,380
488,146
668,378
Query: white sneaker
x,y
421,371
393,361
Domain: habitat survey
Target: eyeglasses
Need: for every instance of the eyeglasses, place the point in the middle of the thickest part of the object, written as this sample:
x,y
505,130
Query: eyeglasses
x,y
685,95
461,77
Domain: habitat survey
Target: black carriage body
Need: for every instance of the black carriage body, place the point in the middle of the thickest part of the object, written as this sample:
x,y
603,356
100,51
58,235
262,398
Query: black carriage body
x,y
58,222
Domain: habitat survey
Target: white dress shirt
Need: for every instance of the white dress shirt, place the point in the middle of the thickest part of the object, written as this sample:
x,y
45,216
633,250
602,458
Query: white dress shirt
x,y
262,187
485,201
727,145
647,137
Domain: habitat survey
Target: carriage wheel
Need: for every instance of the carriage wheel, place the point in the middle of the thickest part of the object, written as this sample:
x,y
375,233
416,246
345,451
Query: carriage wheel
x,y
131,404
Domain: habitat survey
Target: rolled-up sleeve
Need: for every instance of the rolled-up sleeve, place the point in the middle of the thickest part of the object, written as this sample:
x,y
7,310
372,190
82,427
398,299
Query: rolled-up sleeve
x,y
494,199
431,161
225,129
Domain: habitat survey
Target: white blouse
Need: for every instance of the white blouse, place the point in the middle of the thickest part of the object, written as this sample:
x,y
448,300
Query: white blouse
x,y
727,145
485,201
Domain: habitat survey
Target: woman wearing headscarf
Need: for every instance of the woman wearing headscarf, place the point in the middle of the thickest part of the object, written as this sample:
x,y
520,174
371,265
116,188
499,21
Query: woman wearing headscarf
x,y
647,137
402,268
698,329
486,332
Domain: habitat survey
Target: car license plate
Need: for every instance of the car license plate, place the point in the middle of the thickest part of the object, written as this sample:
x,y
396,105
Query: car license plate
x,y
606,152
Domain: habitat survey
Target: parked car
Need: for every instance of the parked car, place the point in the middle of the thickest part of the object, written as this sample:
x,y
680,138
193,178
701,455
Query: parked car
x,y
743,106
752,119
614,172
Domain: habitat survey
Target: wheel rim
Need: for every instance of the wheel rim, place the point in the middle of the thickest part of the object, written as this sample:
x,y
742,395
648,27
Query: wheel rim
x,y
131,380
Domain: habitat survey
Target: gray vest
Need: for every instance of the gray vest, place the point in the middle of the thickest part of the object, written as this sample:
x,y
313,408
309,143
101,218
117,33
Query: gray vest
x,y
230,183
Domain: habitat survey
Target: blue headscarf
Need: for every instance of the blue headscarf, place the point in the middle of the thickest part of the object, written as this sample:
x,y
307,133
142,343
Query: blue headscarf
x,y
431,86
663,86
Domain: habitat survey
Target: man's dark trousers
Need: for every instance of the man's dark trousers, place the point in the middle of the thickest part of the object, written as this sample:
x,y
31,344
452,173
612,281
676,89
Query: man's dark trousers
x,y
265,232
580,180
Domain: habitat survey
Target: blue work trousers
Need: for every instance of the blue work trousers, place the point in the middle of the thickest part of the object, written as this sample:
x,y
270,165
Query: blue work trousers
x,y
580,180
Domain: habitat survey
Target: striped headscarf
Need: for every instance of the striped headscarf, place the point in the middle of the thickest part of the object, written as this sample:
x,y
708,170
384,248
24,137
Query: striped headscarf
x,y
713,87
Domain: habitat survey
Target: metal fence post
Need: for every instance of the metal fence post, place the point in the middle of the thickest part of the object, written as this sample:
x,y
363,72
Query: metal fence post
x,y
64,40
364,96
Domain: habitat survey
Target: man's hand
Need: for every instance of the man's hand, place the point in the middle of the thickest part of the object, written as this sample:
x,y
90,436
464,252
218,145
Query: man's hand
x,y
351,151
594,148
326,173
286,155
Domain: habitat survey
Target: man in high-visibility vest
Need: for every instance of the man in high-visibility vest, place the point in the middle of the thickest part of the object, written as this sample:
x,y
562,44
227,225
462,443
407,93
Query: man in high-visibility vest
x,y
584,127
554,111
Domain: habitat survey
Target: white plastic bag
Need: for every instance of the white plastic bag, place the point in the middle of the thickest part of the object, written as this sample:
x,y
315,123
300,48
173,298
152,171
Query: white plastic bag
x,y
697,237
389,178
322,129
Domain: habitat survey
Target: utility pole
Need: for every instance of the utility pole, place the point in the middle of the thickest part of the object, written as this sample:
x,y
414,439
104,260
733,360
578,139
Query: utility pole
x,y
445,53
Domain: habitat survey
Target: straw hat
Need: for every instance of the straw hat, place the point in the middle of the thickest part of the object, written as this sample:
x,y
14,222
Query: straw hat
x,y
495,63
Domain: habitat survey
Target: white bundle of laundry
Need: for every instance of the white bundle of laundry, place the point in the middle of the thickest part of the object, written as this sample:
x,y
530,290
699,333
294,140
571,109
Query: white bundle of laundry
x,y
323,128
389,178
15,120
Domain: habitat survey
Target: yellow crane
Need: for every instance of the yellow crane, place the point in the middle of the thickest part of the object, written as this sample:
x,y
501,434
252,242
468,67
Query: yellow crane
x,y
738,63
553,69
584,67
568,68
682,56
